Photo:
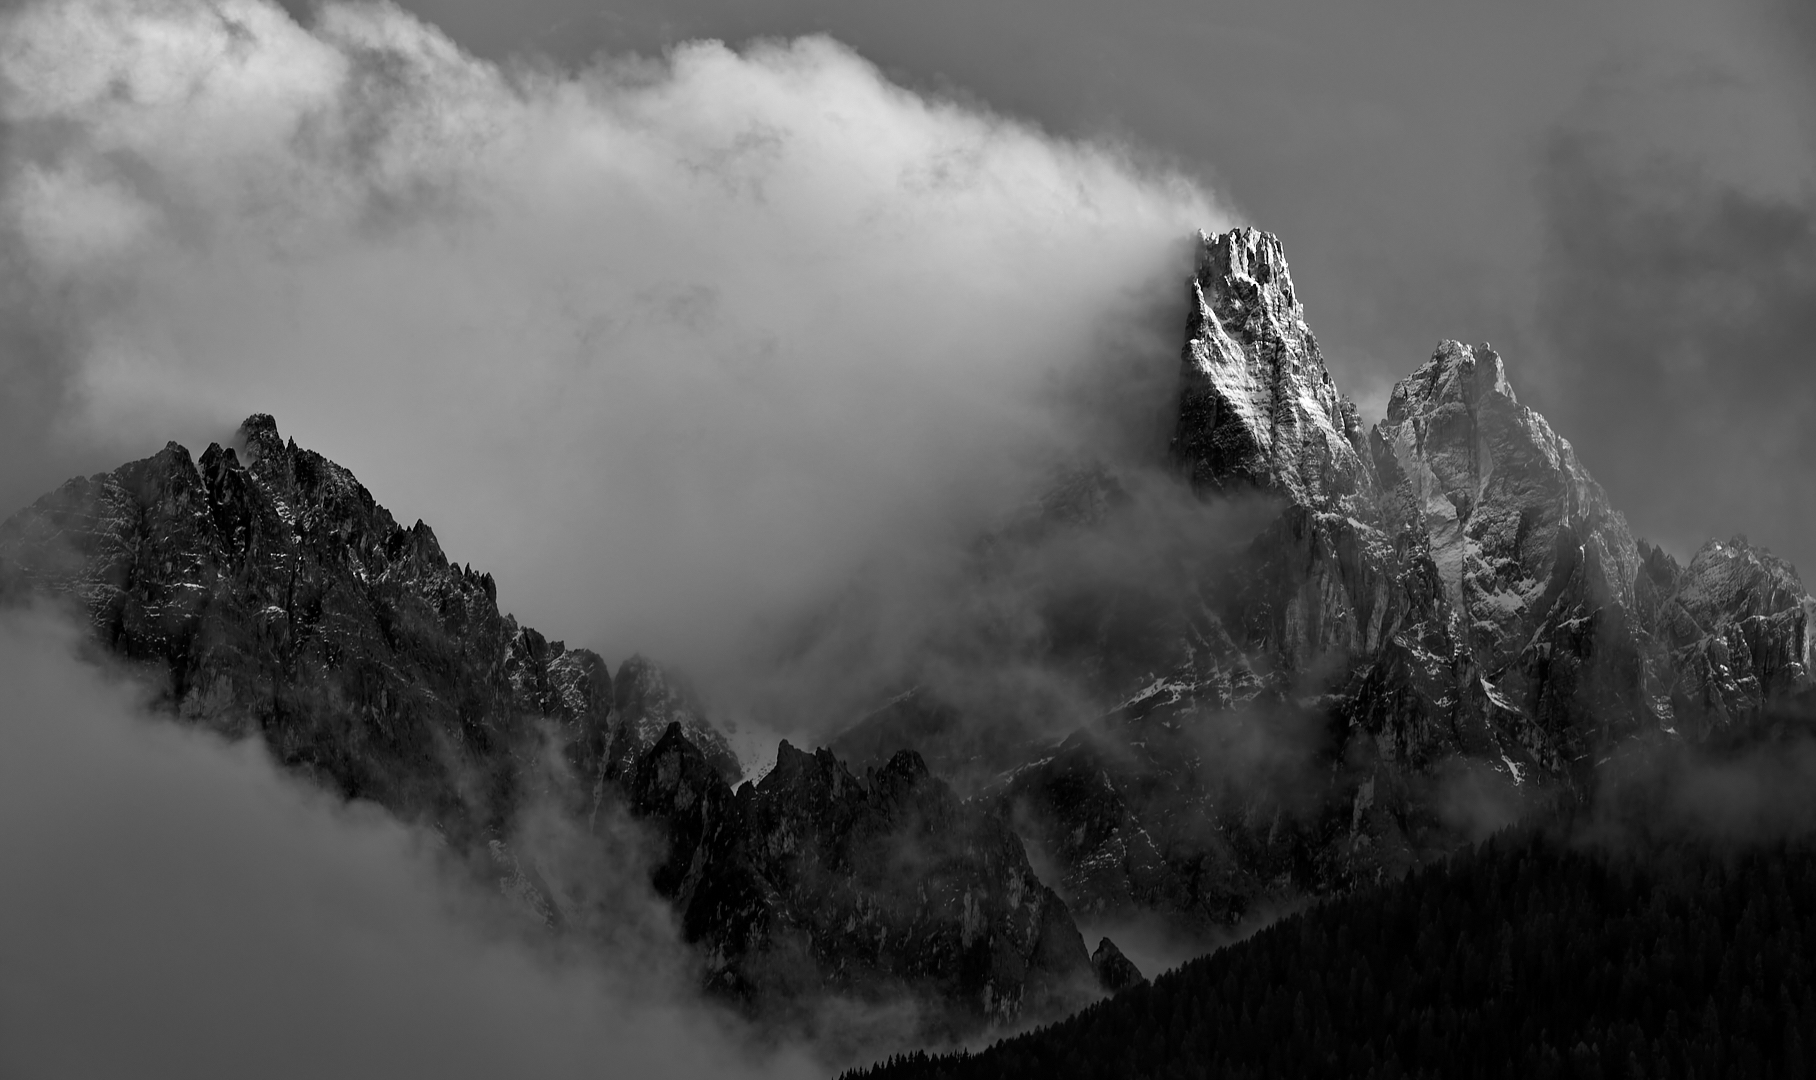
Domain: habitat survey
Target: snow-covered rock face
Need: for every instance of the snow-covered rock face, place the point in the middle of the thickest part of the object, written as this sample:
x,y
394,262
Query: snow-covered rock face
x,y
1450,596
1550,626
1507,509
1455,596
1733,633
1735,582
1258,408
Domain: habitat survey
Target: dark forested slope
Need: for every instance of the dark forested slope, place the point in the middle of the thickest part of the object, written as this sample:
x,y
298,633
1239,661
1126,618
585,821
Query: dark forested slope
x,y
1529,957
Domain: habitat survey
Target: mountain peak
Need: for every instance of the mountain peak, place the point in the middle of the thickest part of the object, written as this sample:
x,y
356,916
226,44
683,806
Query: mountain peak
x,y
1114,971
1737,580
258,434
1498,493
1455,373
648,699
1247,267
1258,409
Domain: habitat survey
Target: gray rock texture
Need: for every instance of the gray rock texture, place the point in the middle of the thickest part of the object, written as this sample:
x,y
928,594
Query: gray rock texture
x,y
1729,636
646,699
1257,407
1382,645
814,881
1443,622
264,590
1114,970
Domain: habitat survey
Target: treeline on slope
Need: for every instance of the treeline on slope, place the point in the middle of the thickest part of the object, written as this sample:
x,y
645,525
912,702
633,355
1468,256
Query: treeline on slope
x,y
1527,957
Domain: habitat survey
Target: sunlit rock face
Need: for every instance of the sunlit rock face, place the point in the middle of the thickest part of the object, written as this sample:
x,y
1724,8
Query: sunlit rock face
x,y
1732,634
1507,510
1257,408
1587,635
1383,644
1444,622
1537,569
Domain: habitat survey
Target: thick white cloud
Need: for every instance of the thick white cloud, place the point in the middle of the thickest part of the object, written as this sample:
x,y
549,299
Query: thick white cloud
x,y
677,347
671,345
174,907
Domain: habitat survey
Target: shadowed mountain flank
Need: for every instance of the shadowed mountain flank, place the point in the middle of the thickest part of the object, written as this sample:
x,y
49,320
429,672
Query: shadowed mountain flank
x,y
1440,623
263,591
1288,657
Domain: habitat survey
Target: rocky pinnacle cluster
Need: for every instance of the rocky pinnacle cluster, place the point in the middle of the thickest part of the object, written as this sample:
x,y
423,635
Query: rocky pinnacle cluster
x,y
1434,615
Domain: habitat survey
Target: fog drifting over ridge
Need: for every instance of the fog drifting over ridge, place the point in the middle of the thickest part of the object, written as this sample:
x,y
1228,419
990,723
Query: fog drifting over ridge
x,y
178,907
675,347
668,346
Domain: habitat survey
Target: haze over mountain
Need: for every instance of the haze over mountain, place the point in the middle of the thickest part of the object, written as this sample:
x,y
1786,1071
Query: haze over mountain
x,y
1614,191
785,401
1504,209
1366,651
671,347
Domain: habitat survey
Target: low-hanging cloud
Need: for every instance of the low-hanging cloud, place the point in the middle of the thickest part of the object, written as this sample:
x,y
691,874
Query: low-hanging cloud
x,y
670,345
1748,786
174,906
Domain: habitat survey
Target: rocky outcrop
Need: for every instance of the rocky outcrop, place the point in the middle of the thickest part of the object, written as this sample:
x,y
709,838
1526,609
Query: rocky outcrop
x,y
1731,634
1378,643
1257,408
813,882
1114,971
1537,568
1444,621
1499,497
647,698
263,590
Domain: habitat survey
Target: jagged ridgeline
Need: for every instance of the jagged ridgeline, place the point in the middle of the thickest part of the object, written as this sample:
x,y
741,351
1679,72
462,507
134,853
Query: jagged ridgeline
x,y
264,590
1444,623
1440,605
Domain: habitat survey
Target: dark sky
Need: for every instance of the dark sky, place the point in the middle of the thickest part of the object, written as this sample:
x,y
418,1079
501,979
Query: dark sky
x,y
1616,193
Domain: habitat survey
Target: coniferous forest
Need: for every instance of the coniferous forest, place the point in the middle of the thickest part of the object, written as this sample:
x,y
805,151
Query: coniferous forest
x,y
1530,956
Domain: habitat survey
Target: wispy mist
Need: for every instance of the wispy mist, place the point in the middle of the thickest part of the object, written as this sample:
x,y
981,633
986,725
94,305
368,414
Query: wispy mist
x,y
174,906
669,345
1758,787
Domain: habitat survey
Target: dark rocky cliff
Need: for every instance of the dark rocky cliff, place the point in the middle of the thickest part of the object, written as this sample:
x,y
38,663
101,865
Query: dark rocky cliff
x,y
1408,635
263,590
1443,622
815,881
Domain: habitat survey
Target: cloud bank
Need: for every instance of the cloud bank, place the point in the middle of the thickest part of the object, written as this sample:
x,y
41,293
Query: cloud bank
x,y
173,906
669,345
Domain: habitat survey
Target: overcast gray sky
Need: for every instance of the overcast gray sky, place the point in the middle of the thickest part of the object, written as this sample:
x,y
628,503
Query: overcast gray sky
x,y
1573,181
